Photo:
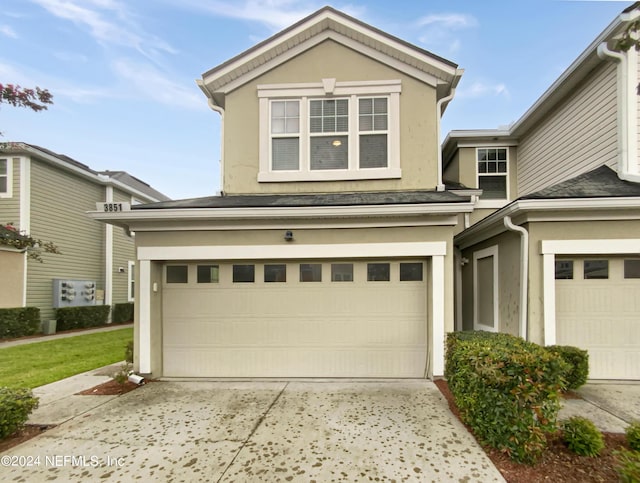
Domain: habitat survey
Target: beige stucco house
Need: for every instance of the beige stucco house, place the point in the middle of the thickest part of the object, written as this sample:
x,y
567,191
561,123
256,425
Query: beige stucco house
x,y
47,196
552,251
330,251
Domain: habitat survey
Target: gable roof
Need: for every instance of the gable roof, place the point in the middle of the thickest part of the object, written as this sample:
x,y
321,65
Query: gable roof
x,y
602,182
119,179
329,23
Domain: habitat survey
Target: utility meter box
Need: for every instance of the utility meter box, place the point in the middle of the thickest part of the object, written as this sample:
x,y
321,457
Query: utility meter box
x,y
73,293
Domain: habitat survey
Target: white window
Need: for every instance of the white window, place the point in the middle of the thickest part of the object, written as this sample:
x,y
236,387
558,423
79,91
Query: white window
x,y
6,175
485,289
492,165
131,281
329,131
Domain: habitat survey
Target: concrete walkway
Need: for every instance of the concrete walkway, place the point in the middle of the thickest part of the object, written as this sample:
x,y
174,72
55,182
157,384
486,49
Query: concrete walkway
x,y
64,335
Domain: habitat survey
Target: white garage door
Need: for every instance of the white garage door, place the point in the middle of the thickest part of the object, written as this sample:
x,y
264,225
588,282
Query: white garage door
x,y
598,309
295,319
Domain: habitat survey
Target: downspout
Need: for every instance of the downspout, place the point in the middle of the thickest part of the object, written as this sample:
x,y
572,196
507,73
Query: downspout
x,y
440,186
627,154
214,107
524,274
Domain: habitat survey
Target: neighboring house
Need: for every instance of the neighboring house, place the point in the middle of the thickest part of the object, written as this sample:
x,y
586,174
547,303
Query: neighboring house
x,y
552,252
330,252
47,196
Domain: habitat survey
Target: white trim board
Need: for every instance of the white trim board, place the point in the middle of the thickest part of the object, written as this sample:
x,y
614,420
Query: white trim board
x,y
550,248
490,252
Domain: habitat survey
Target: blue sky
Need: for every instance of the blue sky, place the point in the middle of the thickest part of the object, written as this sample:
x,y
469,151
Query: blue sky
x,y
123,72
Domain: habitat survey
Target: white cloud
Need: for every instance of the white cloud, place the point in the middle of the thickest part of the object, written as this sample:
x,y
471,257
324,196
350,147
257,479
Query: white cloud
x,y
451,21
108,22
149,82
440,31
8,31
483,89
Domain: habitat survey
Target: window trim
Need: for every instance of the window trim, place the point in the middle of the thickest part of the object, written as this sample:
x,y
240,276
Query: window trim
x,y
131,279
493,202
390,89
9,192
479,255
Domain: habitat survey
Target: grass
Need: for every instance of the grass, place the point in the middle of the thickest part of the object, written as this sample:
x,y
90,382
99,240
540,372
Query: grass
x,y
32,365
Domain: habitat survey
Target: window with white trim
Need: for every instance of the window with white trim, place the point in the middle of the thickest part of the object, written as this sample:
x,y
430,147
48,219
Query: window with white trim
x,y
492,167
329,131
131,281
6,174
485,289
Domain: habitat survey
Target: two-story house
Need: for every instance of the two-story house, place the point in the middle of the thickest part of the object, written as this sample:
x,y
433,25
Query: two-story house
x,y
330,251
47,196
552,250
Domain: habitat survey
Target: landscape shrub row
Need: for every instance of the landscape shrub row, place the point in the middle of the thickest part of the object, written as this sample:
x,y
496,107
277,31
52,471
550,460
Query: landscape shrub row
x,y
122,313
18,322
15,407
507,390
578,364
82,317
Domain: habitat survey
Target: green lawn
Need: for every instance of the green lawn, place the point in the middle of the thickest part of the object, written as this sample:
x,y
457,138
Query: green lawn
x,y
32,365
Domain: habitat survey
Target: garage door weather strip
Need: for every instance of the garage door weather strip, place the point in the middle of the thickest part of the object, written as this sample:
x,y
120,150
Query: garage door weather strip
x,y
255,428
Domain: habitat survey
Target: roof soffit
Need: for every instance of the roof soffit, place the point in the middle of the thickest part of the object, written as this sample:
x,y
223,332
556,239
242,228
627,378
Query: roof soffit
x,y
324,24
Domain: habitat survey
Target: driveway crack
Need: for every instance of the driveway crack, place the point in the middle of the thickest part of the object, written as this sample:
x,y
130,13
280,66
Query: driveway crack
x,y
253,431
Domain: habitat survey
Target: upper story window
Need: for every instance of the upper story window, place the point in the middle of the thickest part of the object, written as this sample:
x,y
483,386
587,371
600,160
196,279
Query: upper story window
x,y
5,177
329,131
493,173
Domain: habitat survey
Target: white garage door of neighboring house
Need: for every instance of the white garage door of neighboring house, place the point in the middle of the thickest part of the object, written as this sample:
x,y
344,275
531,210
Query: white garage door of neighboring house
x,y
598,309
295,319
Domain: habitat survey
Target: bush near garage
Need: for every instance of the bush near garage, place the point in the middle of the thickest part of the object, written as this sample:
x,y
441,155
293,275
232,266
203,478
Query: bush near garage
x,y
578,361
628,466
633,435
81,317
15,407
507,390
122,313
582,437
18,322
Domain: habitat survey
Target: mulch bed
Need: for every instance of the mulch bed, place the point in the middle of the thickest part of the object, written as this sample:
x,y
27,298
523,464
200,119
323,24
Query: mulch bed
x,y
557,463
109,388
26,433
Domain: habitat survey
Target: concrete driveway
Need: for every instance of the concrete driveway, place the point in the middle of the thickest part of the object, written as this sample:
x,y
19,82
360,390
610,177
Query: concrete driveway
x,y
259,431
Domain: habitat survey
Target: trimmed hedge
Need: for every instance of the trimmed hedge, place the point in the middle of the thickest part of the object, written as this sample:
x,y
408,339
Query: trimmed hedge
x,y
15,407
507,390
19,322
582,437
578,362
122,313
82,317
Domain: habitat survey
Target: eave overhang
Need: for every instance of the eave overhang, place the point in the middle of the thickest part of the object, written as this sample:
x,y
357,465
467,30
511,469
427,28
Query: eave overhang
x,y
529,211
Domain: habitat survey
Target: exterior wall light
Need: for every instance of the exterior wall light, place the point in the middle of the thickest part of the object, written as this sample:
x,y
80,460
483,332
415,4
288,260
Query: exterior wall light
x,y
288,235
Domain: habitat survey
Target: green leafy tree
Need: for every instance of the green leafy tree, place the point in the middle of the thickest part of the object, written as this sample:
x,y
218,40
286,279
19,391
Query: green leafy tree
x,y
10,236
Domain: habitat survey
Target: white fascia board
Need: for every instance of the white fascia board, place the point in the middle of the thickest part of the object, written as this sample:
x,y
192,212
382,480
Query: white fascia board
x,y
253,213
293,251
96,178
590,247
493,225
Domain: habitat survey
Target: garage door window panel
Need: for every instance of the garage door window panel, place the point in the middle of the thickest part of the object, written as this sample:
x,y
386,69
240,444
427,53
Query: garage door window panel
x,y
411,272
632,268
177,274
378,272
596,269
244,273
275,273
311,272
342,272
208,273
564,270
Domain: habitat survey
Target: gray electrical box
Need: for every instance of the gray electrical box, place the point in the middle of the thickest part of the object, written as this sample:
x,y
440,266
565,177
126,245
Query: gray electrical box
x,y
73,293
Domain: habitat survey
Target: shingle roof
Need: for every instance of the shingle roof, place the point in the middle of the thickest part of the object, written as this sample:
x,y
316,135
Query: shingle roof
x,y
135,183
309,200
602,182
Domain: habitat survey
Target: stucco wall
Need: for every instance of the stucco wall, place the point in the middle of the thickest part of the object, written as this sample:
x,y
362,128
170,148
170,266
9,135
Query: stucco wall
x,y
418,143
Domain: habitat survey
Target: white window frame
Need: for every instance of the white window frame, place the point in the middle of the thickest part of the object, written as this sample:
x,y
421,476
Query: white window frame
x,y
9,192
131,276
496,202
330,88
479,255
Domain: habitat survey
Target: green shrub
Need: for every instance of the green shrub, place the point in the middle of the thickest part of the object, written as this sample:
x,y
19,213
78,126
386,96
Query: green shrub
x,y
19,322
633,435
578,361
628,465
128,352
122,313
82,317
15,407
507,390
582,437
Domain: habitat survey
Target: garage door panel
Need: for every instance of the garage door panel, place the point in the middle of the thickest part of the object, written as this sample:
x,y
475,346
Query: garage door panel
x,y
295,329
